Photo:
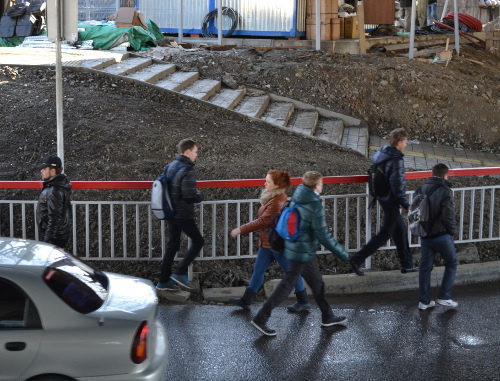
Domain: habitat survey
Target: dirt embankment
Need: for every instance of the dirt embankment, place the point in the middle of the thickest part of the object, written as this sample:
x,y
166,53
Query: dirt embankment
x,y
455,104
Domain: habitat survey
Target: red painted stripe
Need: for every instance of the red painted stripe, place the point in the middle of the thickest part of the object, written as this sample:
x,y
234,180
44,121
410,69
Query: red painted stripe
x,y
243,183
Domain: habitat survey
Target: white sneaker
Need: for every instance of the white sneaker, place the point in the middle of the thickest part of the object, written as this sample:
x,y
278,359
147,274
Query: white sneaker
x,y
422,306
447,303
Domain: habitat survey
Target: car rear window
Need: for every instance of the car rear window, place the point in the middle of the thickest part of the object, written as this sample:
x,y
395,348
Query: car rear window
x,y
78,284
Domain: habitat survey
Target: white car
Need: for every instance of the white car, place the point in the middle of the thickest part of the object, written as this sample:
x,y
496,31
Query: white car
x,y
61,319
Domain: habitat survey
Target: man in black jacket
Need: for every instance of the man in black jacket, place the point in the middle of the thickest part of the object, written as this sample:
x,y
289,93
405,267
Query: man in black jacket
x,y
393,225
54,204
184,195
439,238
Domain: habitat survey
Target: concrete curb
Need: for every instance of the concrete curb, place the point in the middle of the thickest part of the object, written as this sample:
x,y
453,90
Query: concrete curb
x,y
374,281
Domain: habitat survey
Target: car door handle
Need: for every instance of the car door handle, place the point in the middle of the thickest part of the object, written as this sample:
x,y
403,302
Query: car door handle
x,y
15,346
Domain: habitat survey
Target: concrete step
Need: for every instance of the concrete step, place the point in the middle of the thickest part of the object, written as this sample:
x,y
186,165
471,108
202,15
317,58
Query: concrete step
x,y
153,73
228,98
253,106
98,63
178,80
128,66
271,108
304,121
330,130
202,89
356,138
279,113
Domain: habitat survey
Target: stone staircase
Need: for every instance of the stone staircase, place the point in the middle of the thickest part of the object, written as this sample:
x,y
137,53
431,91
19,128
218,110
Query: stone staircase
x,y
278,111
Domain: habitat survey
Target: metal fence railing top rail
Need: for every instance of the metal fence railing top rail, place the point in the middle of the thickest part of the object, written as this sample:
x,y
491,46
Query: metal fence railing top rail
x,y
242,183
105,230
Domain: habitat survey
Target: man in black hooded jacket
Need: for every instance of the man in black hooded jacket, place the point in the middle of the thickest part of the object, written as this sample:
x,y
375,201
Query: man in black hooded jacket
x,y
439,238
184,195
393,225
54,204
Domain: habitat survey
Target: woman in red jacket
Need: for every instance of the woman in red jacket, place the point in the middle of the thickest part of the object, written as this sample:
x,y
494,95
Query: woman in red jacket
x,y
272,200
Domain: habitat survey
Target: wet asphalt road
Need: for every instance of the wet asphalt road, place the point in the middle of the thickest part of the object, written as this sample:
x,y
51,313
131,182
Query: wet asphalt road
x,y
385,338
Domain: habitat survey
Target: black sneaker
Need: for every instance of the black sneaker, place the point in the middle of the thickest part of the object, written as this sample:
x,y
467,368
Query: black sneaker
x,y
409,270
264,329
355,268
240,303
334,320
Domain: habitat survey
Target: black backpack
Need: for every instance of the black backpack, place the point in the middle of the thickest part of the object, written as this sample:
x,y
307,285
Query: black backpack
x,y
275,240
378,184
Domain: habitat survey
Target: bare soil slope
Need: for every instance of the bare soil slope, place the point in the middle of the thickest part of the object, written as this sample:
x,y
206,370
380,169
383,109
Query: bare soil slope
x,y
455,104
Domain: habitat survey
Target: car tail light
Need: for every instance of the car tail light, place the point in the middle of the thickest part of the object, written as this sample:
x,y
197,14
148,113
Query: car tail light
x,y
140,344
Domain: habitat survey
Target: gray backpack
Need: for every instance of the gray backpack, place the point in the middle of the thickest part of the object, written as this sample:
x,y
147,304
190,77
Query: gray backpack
x,y
419,216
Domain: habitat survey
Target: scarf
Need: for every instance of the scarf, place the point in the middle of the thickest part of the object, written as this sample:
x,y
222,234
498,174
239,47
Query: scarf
x,y
266,196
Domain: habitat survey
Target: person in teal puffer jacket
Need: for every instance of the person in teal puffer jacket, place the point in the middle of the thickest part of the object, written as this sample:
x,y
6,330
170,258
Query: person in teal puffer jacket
x,y
302,254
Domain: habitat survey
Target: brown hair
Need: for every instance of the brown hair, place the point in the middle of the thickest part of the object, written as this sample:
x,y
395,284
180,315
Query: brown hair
x,y
186,144
311,178
397,135
440,170
280,178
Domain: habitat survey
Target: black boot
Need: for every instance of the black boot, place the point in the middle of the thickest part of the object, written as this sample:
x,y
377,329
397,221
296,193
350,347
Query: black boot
x,y
245,301
302,304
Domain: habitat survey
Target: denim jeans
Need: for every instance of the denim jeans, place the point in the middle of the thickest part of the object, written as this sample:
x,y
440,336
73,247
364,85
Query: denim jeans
x,y
392,226
444,245
314,279
175,228
264,259
431,13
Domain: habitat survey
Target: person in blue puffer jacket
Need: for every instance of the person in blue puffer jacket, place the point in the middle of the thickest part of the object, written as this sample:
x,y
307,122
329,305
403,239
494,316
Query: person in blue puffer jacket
x,y
393,225
301,254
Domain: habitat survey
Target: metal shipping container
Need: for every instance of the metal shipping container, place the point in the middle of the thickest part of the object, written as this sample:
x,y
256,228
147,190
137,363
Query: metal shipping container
x,y
276,18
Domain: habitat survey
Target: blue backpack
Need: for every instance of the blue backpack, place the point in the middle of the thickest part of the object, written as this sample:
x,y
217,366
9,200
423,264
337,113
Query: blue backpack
x,y
289,222
161,204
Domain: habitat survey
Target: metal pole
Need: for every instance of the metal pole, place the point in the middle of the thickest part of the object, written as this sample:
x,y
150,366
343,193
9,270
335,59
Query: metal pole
x,y
412,28
457,27
219,22
445,7
318,29
180,32
59,82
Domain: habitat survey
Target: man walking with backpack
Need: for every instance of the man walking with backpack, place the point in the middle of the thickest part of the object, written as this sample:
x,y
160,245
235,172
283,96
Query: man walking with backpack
x,y
184,195
302,254
391,157
438,238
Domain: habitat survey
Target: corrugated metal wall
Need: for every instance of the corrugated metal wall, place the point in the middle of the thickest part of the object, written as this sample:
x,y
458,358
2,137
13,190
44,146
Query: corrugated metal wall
x,y
165,13
258,17
96,9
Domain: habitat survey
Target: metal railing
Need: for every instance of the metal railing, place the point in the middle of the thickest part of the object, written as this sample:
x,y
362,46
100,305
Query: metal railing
x,y
107,230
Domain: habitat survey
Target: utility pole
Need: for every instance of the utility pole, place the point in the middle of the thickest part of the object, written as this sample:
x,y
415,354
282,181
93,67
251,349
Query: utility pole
x,y
62,24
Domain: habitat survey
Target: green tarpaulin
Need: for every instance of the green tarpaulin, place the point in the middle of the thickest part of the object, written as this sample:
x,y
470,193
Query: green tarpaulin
x,y
11,42
108,36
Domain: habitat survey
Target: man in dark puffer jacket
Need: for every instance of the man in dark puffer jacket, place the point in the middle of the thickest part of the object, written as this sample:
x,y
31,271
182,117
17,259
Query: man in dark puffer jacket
x,y
393,225
54,204
302,255
439,238
184,195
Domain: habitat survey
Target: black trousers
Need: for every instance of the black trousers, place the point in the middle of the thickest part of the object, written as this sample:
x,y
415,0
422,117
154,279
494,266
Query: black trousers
x,y
311,274
175,228
392,226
